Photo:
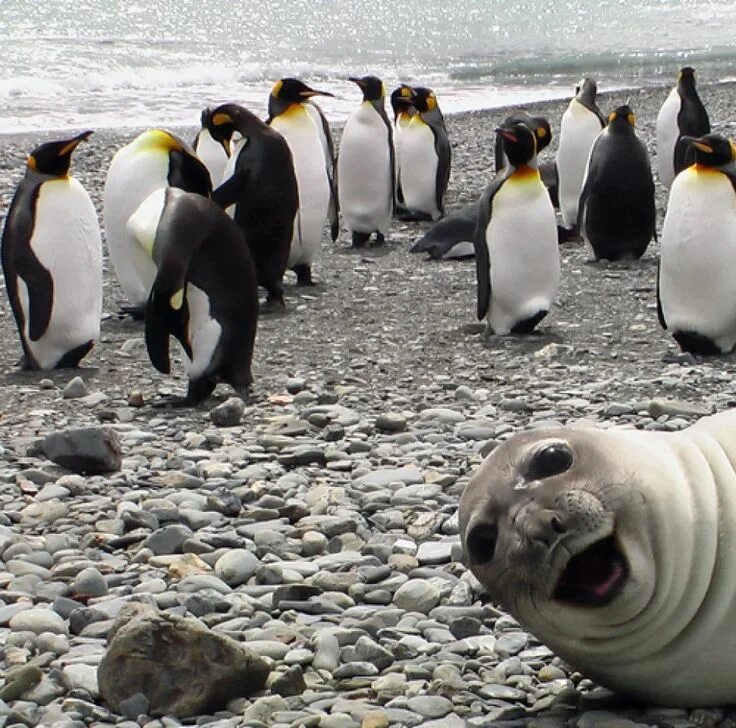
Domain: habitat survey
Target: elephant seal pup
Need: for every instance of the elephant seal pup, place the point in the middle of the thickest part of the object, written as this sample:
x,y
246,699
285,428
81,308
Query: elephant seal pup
x,y
617,548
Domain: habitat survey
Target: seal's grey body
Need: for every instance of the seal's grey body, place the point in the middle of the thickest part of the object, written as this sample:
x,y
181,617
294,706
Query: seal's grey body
x,y
617,548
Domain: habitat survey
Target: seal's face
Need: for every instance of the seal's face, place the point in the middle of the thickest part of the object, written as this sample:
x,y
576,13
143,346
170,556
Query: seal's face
x,y
553,526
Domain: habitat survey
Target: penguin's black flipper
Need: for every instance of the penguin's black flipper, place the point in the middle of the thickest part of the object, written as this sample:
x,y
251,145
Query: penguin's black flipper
x,y
482,259
392,155
40,294
444,162
230,191
446,233
333,211
660,312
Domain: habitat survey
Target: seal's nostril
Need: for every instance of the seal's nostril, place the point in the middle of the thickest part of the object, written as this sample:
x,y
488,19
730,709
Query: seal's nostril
x,y
557,525
481,543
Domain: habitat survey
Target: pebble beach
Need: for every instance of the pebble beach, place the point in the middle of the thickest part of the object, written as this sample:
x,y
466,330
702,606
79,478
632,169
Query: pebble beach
x,y
317,524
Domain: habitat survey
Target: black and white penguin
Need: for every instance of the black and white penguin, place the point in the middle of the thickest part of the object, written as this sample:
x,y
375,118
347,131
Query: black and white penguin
x,y
616,214
425,157
402,104
365,166
452,236
581,123
154,159
516,252
260,184
204,293
682,114
695,291
52,260
301,122
213,154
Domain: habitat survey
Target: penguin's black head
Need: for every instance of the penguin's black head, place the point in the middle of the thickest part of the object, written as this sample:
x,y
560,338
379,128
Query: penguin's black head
x,y
622,117
295,91
538,125
686,76
712,150
424,99
519,142
587,88
402,99
54,158
371,86
223,121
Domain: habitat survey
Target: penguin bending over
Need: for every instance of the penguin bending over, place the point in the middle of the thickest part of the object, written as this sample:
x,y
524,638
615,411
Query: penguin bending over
x,y
516,253
154,159
204,294
682,114
213,154
425,158
261,185
616,215
366,166
52,260
581,124
695,300
305,129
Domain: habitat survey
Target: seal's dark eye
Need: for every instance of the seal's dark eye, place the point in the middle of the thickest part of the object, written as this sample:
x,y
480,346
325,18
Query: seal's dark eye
x,y
550,460
481,543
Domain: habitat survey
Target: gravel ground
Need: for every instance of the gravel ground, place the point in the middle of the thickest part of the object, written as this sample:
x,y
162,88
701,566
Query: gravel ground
x,y
376,395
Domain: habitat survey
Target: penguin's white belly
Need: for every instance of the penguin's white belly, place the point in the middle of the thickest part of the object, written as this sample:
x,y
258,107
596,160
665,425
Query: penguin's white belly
x,y
523,252
204,333
419,169
213,156
66,240
364,172
698,257
667,133
578,131
131,179
302,135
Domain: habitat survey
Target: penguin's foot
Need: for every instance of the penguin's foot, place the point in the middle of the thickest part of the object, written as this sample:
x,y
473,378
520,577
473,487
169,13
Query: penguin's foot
x,y
360,239
272,305
380,239
24,363
198,391
303,275
137,313
568,234
71,359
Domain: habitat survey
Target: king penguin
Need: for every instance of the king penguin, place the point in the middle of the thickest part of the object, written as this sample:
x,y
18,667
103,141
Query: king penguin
x,y
682,114
52,260
695,291
204,292
616,214
402,104
581,123
425,158
292,113
260,183
366,167
154,159
516,252
213,154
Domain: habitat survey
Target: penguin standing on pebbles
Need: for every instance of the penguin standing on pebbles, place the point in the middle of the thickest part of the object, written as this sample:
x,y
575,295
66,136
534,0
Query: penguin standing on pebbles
x,y
261,185
402,104
695,290
425,159
365,166
581,123
516,252
682,114
204,292
299,121
52,260
616,214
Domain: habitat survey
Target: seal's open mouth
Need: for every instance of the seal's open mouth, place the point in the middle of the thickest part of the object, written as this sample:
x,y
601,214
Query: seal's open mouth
x,y
593,577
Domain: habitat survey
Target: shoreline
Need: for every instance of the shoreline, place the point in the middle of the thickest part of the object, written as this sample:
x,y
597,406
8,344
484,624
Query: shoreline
x,y
43,134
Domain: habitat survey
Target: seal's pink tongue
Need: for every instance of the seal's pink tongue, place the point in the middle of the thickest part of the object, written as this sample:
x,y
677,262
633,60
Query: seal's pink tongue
x,y
602,589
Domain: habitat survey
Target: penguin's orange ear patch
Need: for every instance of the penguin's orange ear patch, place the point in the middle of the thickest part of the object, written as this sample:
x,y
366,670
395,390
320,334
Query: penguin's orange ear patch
x,y
541,132
277,88
612,117
631,119
31,162
220,119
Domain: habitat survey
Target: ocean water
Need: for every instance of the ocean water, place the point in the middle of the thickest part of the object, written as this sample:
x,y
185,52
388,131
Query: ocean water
x,y
117,63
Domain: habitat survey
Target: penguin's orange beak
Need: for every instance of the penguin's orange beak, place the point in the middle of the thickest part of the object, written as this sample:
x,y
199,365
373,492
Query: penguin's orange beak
x,y
507,135
308,93
71,145
359,81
